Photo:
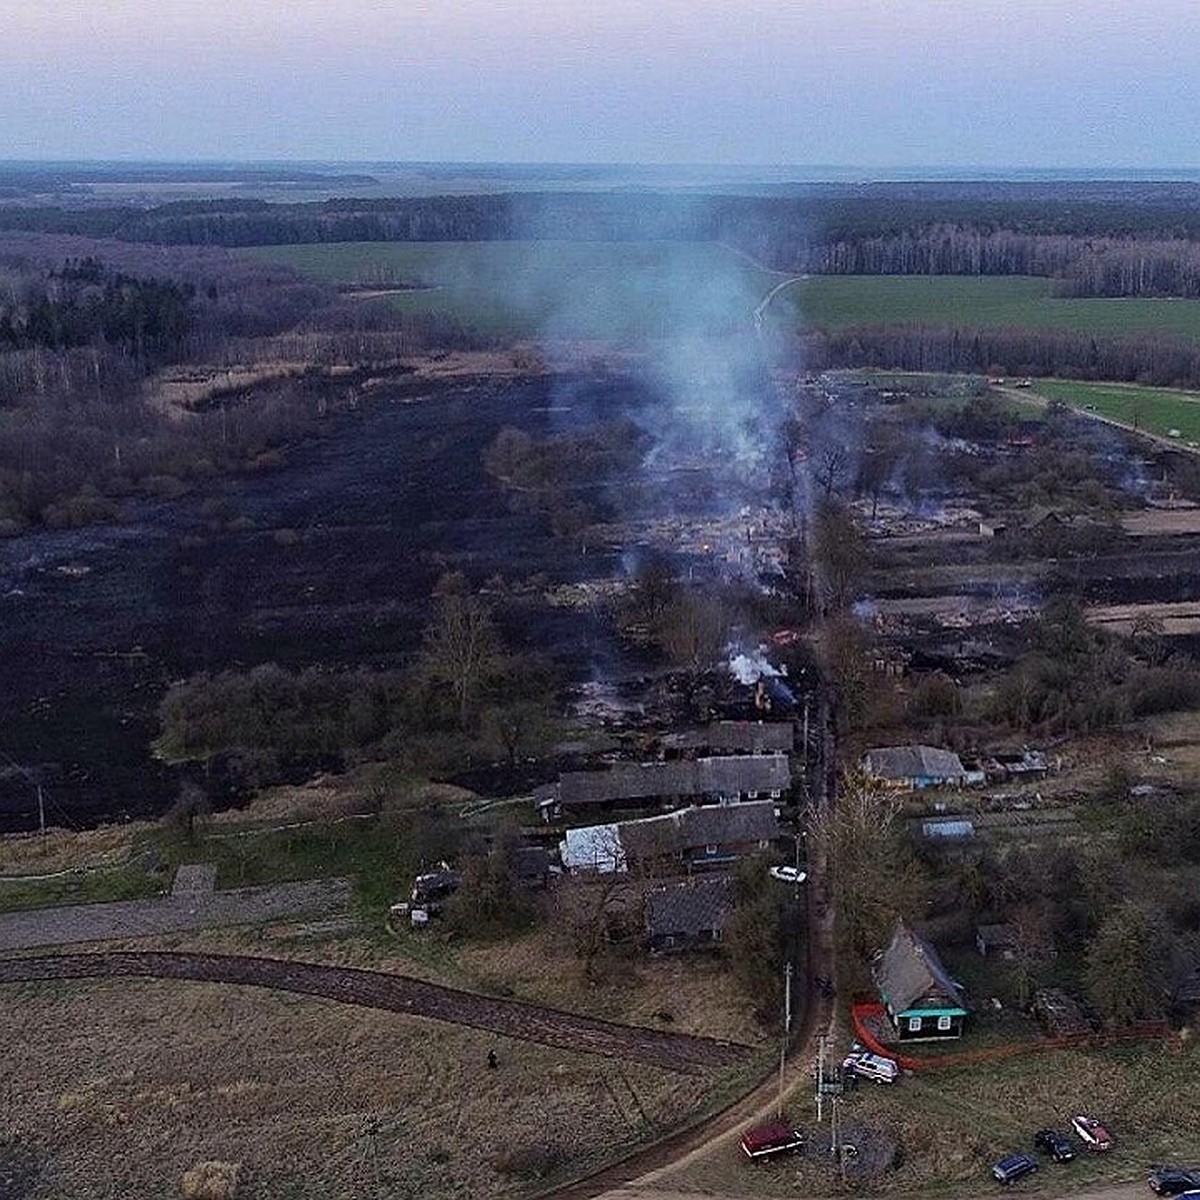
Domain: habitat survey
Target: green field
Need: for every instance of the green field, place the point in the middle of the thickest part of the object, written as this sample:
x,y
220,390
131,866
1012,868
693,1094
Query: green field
x,y
838,301
645,289
1155,410
567,289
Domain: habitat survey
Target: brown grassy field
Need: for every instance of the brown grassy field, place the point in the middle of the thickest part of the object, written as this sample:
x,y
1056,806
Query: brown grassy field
x,y
1160,522
951,1125
1176,619
699,994
119,1088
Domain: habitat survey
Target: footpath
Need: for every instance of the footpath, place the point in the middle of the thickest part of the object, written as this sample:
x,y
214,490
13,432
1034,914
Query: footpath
x,y
193,903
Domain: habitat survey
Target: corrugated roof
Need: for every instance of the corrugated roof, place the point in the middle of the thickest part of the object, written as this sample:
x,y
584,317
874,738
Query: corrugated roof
x,y
752,737
728,824
951,830
613,847
910,975
731,775
688,909
913,762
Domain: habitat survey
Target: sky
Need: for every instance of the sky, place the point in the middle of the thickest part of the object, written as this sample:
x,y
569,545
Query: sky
x,y
868,83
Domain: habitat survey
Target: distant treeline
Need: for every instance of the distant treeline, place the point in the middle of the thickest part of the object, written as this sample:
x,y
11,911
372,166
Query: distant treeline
x,y
1144,358
1115,240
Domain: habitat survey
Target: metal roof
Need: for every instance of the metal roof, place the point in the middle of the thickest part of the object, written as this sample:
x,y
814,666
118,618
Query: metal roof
x,y
688,909
951,830
910,977
593,848
913,762
731,775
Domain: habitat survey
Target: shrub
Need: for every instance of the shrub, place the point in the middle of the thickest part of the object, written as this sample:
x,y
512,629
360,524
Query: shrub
x,y
211,1181
530,1162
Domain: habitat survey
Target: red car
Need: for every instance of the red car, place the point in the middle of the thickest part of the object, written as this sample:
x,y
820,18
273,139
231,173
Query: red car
x,y
766,1141
1092,1133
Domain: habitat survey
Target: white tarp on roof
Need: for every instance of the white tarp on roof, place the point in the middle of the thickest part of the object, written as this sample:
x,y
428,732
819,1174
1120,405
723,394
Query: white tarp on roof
x,y
593,848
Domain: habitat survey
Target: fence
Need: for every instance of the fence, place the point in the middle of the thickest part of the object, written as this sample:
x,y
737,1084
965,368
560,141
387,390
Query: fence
x,y
863,1011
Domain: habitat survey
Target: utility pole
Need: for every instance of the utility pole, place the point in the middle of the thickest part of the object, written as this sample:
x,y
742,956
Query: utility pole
x,y
782,1059
41,808
787,1000
820,1078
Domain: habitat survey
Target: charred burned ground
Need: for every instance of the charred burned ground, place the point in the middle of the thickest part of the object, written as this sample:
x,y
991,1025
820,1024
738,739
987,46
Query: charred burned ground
x,y
988,512
328,560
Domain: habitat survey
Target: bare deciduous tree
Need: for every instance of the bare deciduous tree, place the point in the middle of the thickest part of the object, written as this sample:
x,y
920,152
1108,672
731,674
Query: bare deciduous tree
x,y
461,649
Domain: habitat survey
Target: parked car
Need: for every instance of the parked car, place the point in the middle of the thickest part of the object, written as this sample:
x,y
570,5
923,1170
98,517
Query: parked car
x,y
1015,1166
787,874
1055,1144
767,1141
1173,1181
871,1066
1092,1133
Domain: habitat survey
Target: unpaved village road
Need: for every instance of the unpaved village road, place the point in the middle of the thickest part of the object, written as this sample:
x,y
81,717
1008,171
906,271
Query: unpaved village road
x,y
396,993
1127,1191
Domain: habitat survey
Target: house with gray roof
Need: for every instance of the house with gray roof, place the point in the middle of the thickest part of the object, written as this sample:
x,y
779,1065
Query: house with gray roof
x,y
916,767
690,839
715,780
733,737
688,915
924,1001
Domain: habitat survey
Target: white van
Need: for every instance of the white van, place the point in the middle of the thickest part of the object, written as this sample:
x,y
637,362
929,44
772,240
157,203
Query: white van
x,y
871,1066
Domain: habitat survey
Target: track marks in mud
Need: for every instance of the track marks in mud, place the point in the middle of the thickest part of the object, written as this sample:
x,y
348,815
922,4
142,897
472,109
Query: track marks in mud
x,y
397,993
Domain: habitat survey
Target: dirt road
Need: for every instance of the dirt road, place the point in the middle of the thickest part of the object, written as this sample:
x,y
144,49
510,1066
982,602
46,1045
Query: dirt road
x,y
1127,1191
397,993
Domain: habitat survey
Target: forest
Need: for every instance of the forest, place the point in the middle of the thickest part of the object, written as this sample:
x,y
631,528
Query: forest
x,y
86,329
1098,240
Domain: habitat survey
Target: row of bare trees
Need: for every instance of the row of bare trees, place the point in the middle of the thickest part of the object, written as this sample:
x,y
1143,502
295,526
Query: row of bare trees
x,y
1146,359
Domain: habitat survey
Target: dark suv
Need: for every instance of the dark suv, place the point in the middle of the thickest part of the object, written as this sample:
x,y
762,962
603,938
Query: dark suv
x,y
1014,1167
1055,1144
1173,1181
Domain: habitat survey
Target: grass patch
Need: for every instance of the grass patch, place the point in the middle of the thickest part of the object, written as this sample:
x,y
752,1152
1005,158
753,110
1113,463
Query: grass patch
x,y
378,860
649,289
129,882
1155,410
124,1085
991,302
952,1124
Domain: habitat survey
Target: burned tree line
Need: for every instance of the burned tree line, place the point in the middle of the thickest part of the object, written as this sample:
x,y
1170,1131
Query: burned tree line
x,y
465,695
87,327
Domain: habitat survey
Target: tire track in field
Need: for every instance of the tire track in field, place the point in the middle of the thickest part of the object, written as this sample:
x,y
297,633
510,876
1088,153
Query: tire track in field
x,y
517,1019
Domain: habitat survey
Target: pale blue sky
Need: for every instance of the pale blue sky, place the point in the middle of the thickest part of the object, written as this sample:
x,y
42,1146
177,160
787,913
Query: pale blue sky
x,y
872,83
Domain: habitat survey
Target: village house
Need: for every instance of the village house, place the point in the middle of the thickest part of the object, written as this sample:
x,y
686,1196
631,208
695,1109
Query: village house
x,y
689,915
922,999
1023,764
728,779
917,767
690,839
732,738
996,941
